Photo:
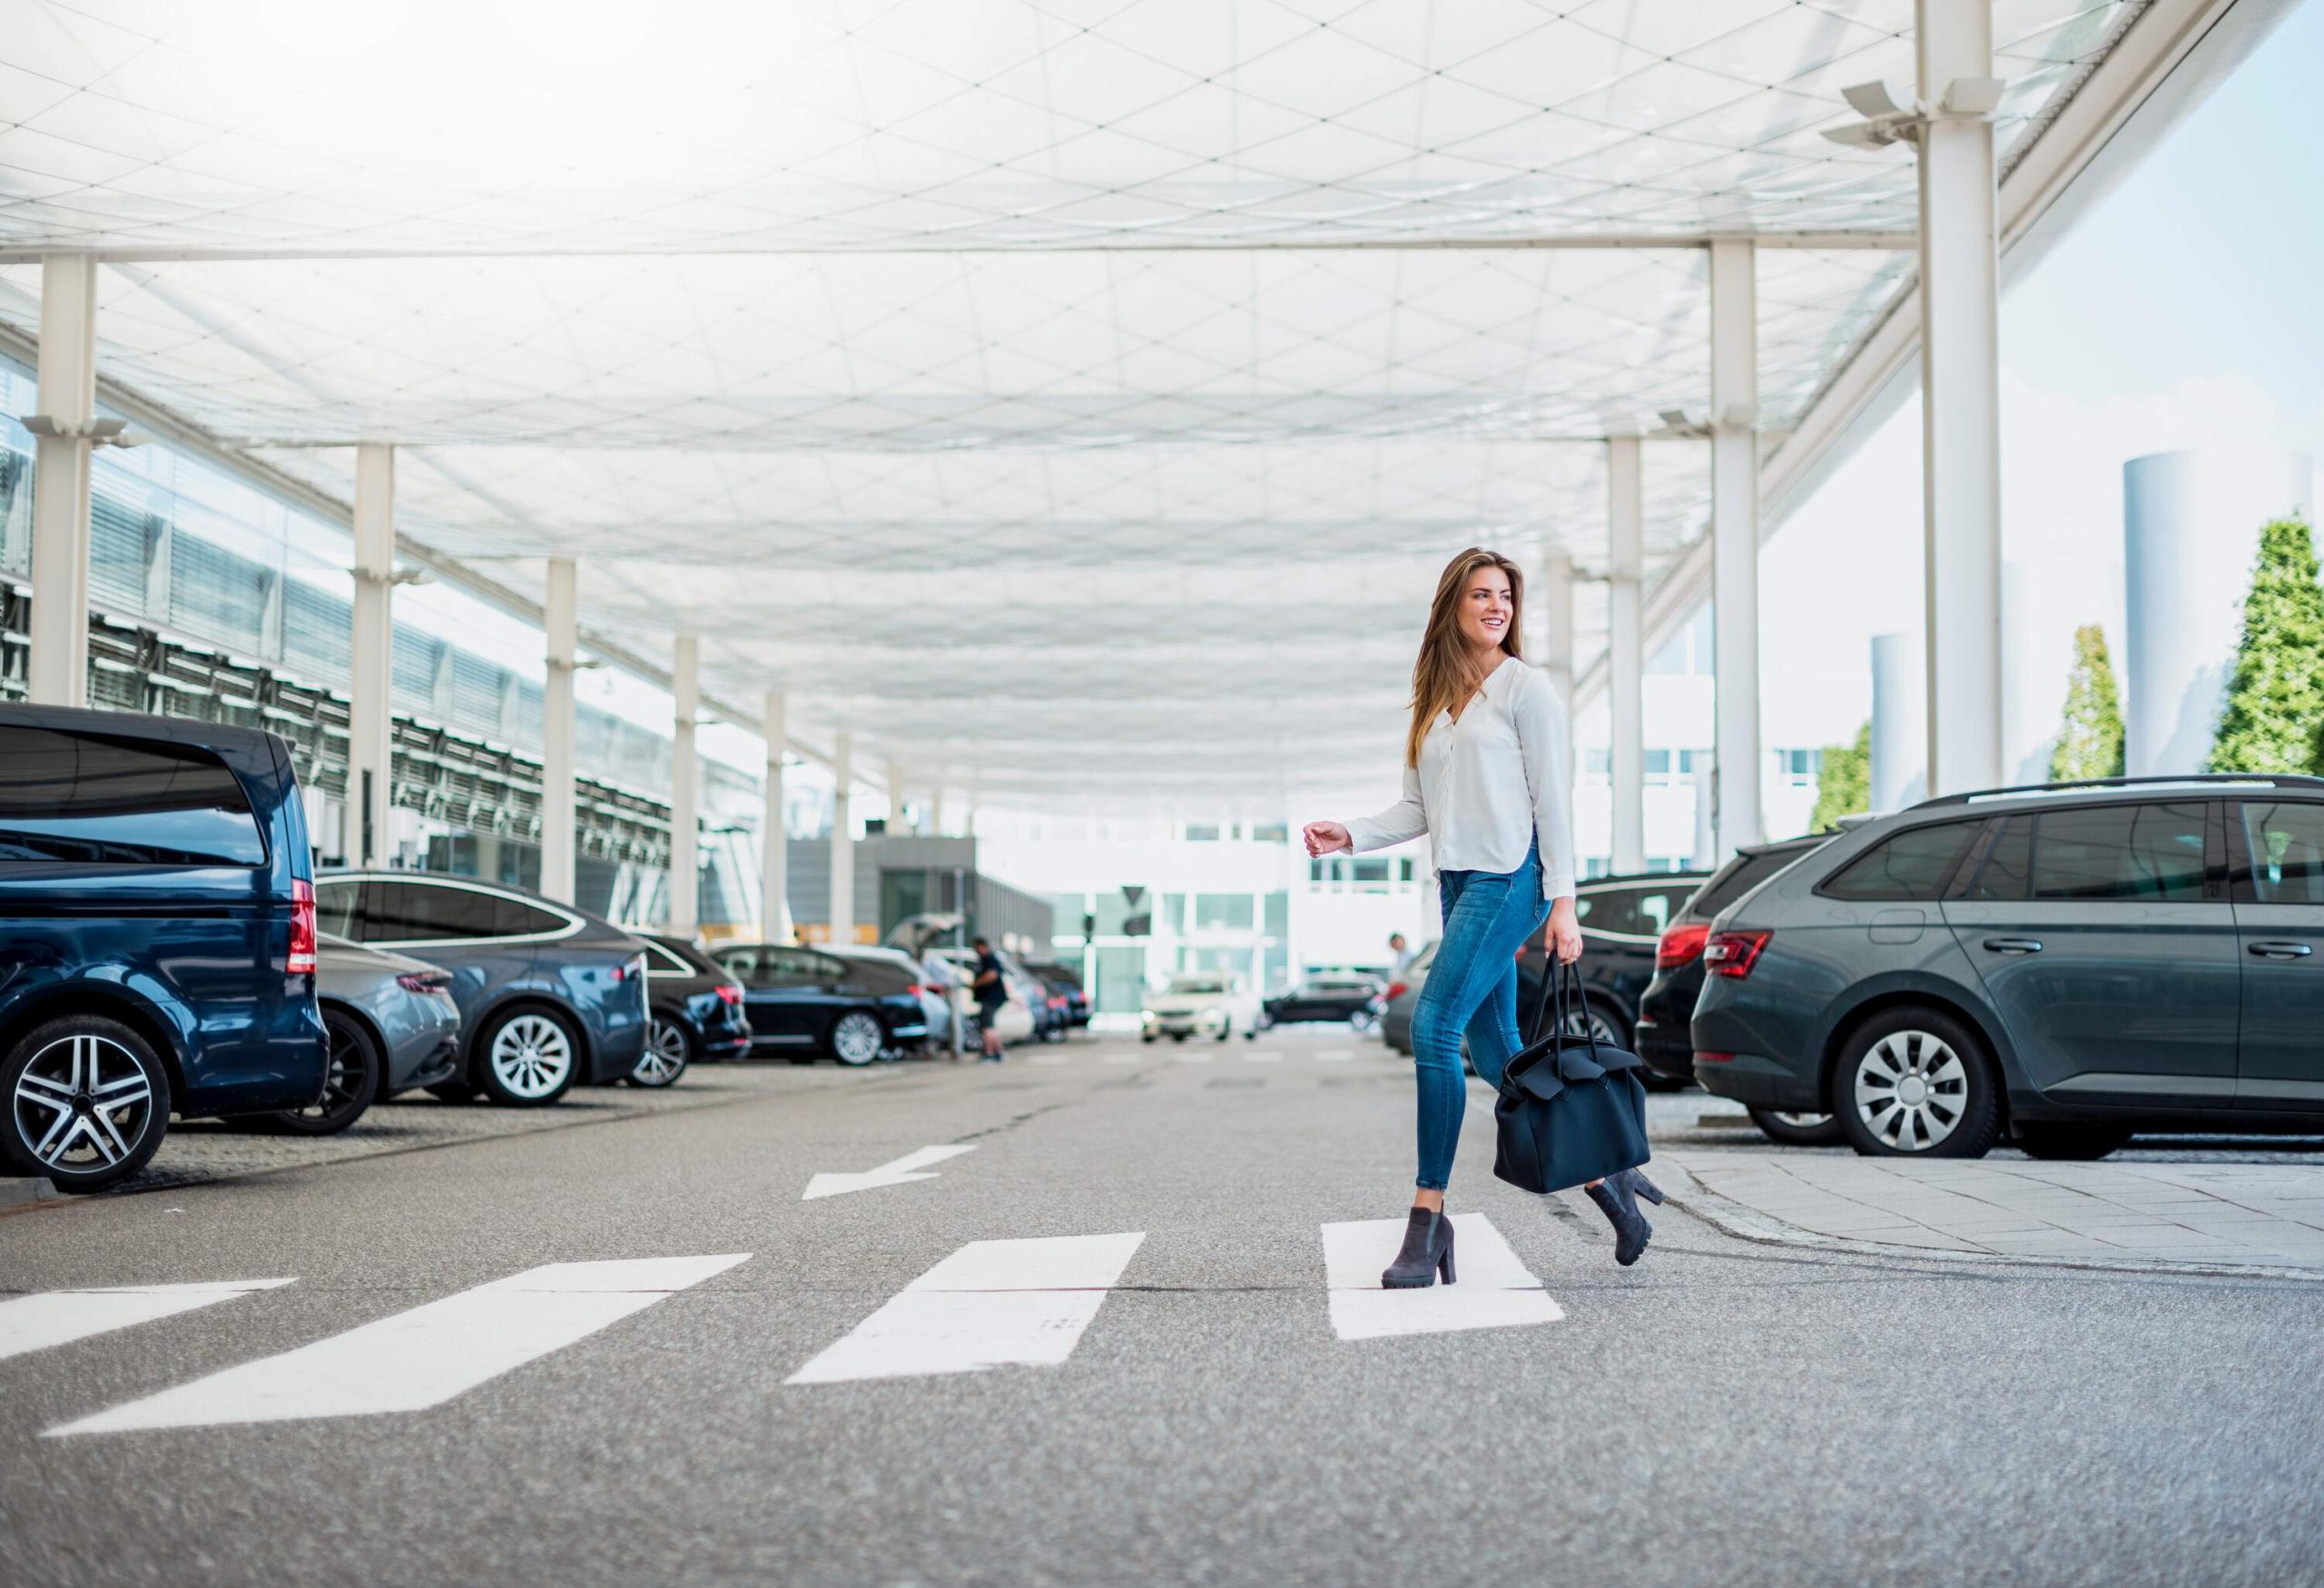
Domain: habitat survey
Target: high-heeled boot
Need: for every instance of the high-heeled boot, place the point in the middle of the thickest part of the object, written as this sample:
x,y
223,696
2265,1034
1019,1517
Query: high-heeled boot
x,y
1631,1231
1427,1254
1640,1186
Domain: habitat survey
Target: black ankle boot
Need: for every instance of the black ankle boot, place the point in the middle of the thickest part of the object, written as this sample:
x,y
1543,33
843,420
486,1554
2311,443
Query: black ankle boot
x,y
1639,1185
1631,1231
1427,1254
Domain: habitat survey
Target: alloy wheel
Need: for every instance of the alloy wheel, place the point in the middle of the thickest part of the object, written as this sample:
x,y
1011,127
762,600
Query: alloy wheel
x,y
1912,1090
856,1038
1597,1027
83,1103
664,1058
531,1056
343,1076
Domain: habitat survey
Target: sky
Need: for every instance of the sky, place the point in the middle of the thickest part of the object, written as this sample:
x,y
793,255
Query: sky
x,y
2180,311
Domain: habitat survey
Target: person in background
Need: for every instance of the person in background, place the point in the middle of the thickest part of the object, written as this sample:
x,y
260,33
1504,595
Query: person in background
x,y
991,990
1400,954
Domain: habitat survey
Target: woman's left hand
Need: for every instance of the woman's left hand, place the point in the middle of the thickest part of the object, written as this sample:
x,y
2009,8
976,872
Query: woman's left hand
x,y
1564,935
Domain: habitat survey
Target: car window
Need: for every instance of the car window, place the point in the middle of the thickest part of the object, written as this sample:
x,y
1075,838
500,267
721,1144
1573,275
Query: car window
x,y
2286,842
658,957
1739,876
743,964
1609,911
515,918
1655,907
1914,865
335,911
782,967
97,800
425,912
2149,851
2007,870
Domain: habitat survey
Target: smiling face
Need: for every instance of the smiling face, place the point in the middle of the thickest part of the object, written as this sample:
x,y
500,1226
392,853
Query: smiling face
x,y
1486,608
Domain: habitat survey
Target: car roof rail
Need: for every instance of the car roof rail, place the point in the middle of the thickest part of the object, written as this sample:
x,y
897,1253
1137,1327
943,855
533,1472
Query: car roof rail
x,y
2181,779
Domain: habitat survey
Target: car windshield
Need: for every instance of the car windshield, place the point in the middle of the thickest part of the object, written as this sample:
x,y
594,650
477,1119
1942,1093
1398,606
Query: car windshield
x,y
1197,984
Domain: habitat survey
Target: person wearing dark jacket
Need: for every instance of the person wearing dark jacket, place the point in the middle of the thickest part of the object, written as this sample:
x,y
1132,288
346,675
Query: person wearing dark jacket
x,y
991,990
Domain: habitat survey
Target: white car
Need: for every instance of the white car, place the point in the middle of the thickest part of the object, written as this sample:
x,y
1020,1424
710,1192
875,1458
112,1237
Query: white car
x,y
1212,1003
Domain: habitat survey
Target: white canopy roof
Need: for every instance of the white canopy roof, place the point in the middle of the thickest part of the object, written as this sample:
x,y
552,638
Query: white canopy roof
x,y
1077,399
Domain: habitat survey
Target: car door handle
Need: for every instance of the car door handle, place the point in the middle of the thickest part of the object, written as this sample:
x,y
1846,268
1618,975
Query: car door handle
x,y
2281,950
2015,945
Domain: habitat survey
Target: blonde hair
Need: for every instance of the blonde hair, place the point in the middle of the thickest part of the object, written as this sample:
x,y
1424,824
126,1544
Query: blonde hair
x,y
1446,673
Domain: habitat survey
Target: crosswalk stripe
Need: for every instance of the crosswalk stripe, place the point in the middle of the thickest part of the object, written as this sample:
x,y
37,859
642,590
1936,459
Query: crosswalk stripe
x,y
422,1357
991,1304
58,1318
1496,1290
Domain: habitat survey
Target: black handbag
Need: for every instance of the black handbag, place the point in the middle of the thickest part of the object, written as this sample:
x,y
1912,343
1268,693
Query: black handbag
x,y
1572,1108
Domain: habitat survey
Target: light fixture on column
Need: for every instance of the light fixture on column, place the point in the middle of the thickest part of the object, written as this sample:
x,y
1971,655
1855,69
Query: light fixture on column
x,y
1678,427
96,432
409,576
1885,122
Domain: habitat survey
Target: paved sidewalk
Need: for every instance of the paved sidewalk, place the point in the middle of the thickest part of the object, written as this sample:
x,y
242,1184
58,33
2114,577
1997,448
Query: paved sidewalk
x,y
2202,1215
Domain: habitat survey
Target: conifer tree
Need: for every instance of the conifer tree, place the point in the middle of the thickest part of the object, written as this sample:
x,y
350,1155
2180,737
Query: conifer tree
x,y
1843,780
2090,743
2275,700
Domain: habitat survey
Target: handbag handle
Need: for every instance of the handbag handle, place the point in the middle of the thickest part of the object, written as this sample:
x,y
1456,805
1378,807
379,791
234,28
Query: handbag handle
x,y
1555,976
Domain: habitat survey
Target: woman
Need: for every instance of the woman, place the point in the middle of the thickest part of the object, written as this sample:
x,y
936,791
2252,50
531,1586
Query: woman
x,y
1485,777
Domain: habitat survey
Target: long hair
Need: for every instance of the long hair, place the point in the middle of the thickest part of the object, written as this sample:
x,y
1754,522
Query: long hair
x,y
1446,674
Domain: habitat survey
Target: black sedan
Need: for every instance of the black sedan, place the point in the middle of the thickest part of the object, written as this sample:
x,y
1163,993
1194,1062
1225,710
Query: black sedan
x,y
1064,982
1349,1000
804,1003
695,1010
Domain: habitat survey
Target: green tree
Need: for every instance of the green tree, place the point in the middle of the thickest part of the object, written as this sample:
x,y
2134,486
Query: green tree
x,y
2275,701
2090,743
1843,780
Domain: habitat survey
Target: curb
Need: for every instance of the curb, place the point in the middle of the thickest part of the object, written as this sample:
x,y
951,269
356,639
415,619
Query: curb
x,y
1747,1224
22,1191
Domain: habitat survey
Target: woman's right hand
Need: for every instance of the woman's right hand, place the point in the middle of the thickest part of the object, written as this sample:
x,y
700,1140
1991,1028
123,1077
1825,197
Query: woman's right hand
x,y
1326,838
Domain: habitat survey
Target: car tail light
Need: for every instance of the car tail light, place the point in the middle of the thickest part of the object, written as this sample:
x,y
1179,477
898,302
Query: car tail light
x,y
730,993
1703,1057
1733,954
1395,989
631,969
301,958
424,980
1681,944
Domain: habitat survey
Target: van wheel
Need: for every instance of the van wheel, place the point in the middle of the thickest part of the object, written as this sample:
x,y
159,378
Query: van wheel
x,y
2070,1143
528,1058
1913,1082
350,1080
1799,1130
88,1103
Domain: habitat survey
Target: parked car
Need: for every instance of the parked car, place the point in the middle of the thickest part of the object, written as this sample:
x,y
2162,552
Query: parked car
x,y
1400,997
157,936
1215,1003
805,1002
694,1011
391,1025
1047,1006
902,968
1623,918
2065,964
1064,983
1352,1001
1667,1004
549,995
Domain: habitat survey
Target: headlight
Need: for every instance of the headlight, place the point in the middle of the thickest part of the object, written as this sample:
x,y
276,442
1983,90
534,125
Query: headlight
x,y
1146,1016
1211,1017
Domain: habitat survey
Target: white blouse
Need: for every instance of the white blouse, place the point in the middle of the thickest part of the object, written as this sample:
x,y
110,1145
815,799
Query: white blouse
x,y
1489,784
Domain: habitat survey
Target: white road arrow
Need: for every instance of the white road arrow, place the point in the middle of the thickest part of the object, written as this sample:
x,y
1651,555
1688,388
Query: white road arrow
x,y
906,1167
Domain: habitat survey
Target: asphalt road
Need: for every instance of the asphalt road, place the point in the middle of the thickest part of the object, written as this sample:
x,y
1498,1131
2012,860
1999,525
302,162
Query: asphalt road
x,y
1722,1412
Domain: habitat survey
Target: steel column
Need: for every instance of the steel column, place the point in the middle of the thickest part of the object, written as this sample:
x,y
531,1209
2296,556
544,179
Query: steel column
x,y
561,610
774,834
1735,543
686,783
1625,658
843,910
1960,402
370,752
59,672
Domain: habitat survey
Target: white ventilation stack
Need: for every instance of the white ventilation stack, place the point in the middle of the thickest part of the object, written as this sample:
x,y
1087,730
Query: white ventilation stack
x,y
2191,531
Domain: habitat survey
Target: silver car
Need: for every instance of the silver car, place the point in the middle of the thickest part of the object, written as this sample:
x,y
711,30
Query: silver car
x,y
393,1026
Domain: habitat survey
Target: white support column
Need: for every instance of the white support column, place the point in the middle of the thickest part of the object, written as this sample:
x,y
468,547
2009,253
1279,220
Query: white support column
x,y
774,837
370,755
1735,542
1625,660
936,808
685,778
1960,403
1556,597
896,801
842,911
68,399
563,623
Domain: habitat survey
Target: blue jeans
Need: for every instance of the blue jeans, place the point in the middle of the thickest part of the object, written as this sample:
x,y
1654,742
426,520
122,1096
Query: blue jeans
x,y
1472,988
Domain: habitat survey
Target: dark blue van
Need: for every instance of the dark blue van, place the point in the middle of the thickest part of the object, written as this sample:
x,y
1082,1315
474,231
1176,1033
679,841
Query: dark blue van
x,y
157,936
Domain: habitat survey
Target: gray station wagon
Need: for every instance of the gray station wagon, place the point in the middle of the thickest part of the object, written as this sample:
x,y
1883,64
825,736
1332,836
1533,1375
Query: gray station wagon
x,y
2067,964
